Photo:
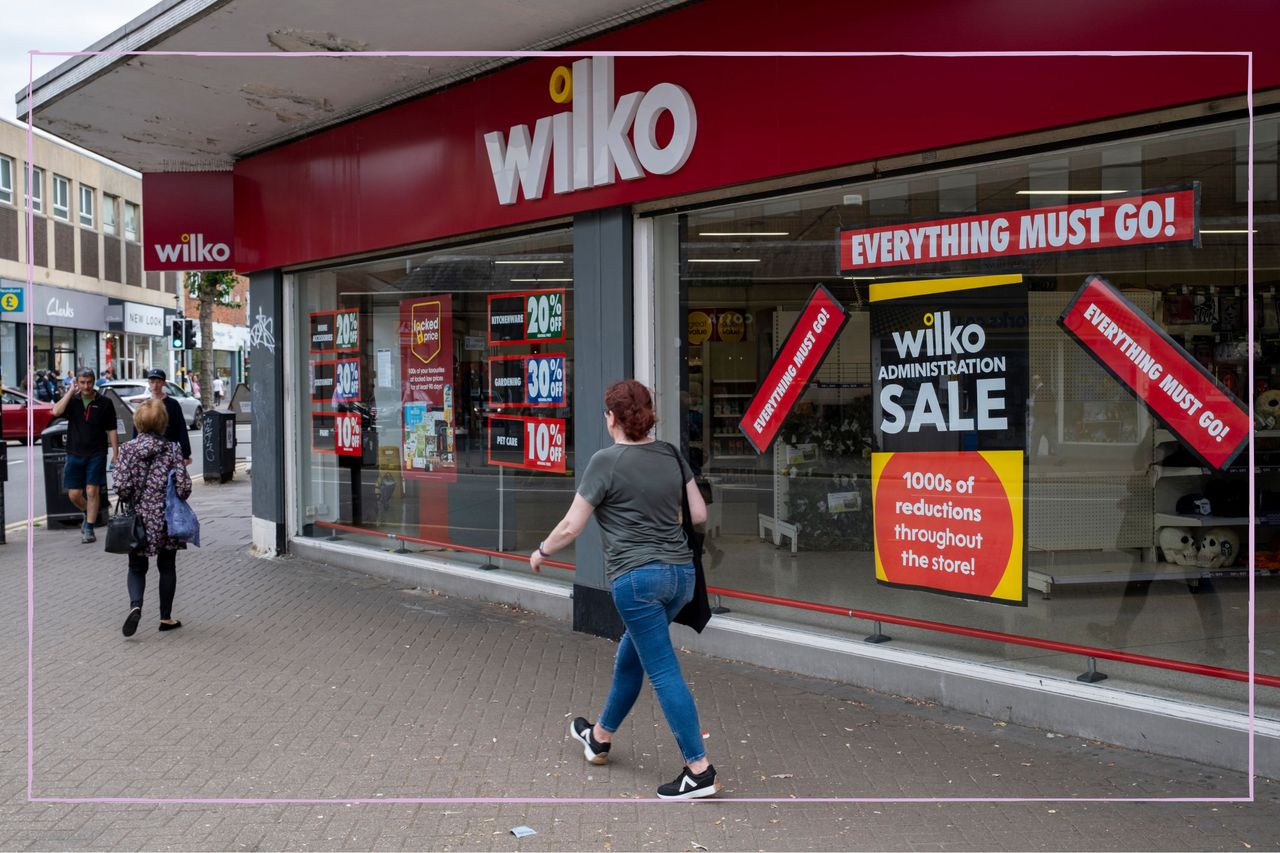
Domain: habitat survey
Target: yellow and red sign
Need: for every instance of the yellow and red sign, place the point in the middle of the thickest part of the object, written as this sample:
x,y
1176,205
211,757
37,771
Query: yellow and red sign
x,y
950,522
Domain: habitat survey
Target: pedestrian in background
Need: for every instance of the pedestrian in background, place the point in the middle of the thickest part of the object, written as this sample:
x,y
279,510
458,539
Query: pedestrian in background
x,y
634,490
176,431
91,428
217,389
142,479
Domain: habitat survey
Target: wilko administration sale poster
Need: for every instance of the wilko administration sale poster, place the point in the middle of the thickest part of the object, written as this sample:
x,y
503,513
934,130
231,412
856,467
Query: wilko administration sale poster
x,y
949,385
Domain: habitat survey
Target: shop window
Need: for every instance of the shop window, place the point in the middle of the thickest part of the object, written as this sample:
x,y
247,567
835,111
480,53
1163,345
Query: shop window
x,y
61,198
86,206
1266,151
33,180
1103,480
132,221
109,206
6,180
437,402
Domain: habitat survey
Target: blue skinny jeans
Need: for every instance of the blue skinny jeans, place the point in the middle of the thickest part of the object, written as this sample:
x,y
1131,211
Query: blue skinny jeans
x,y
648,598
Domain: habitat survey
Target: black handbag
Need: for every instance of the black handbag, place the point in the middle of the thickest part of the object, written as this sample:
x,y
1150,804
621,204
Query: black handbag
x,y
697,613
125,531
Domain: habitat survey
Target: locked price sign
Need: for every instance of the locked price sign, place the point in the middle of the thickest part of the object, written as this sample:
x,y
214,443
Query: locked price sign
x,y
544,383
346,433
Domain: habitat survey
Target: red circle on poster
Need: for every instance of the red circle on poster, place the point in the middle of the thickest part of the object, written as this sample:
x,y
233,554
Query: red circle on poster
x,y
951,513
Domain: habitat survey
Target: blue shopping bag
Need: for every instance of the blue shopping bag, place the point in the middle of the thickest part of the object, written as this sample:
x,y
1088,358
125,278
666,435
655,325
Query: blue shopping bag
x,y
179,517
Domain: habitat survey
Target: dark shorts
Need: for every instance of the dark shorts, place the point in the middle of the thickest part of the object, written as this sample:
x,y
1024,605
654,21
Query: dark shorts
x,y
84,470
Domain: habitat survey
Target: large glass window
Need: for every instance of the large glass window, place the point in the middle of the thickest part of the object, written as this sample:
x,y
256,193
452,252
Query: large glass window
x,y
33,180
437,398
61,198
6,180
109,206
1108,492
86,205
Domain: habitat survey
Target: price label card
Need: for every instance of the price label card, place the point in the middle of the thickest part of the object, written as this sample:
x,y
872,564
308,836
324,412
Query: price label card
x,y
527,317
534,444
346,379
347,330
544,380
346,433
532,381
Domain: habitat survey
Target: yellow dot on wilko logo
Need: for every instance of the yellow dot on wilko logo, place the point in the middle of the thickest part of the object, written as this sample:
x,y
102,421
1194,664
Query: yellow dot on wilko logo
x,y
561,85
928,319
186,238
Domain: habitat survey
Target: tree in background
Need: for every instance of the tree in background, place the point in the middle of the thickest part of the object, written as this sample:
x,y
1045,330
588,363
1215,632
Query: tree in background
x,y
210,289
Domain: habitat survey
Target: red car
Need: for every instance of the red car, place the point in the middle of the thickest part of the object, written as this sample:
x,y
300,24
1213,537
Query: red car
x,y
14,424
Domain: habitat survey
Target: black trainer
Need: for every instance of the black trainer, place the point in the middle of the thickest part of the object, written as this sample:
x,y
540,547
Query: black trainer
x,y
593,750
691,786
131,622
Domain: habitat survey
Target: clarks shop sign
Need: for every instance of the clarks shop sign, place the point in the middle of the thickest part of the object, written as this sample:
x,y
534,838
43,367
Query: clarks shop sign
x,y
595,142
54,306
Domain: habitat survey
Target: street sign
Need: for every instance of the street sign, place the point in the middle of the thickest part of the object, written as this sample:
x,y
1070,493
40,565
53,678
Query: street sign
x,y
11,300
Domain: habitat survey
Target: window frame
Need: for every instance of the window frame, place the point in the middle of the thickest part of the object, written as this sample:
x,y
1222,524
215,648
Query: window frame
x,y
34,201
6,181
131,230
109,203
92,195
60,211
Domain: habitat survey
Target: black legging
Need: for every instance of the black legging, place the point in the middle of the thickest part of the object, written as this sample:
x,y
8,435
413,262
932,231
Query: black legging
x,y
168,580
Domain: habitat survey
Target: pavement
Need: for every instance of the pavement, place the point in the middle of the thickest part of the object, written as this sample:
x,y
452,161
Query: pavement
x,y
291,680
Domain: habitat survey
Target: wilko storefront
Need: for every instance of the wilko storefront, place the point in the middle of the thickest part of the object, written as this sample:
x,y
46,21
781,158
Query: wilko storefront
x,y
896,309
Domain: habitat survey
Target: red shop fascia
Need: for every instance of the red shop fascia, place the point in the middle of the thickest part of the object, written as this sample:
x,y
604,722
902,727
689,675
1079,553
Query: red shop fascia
x,y
422,170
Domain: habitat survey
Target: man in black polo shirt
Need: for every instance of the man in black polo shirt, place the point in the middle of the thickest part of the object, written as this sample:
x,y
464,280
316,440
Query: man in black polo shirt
x,y
91,427
177,429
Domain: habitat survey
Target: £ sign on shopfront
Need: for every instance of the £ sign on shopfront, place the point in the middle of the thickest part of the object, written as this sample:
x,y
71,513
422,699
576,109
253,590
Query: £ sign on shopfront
x,y
589,145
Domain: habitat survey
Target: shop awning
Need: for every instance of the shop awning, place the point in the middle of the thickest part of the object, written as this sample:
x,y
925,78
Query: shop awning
x,y
159,113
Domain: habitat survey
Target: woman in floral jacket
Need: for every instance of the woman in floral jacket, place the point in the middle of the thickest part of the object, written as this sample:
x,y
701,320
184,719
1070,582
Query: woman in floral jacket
x,y
142,478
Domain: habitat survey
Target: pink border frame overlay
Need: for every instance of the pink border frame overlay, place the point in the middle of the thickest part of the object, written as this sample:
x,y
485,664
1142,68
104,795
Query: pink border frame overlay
x,y
1248,55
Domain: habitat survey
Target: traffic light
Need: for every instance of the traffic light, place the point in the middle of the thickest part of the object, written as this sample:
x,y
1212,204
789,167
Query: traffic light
x,y
189,334
178,336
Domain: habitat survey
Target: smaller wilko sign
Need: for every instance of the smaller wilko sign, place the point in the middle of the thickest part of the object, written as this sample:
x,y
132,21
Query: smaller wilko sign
x,y
534,444
1136,220
1175,388
346,433
322,331
346,334
527,381
529,317
801,354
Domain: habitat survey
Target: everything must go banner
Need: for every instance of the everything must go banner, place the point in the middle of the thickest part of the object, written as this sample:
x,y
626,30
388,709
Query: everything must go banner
x,y
426,355
949,386
1175,388
1158,217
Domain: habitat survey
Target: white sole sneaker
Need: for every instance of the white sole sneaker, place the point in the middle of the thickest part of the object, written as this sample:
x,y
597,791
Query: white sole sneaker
x,y
588,753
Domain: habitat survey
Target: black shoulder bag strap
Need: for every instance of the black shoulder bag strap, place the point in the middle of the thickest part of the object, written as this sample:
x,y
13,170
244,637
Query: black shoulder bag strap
x,y
697,613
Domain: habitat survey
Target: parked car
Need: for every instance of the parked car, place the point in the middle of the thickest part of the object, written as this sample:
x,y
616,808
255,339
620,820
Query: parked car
x,y
135,391
14,424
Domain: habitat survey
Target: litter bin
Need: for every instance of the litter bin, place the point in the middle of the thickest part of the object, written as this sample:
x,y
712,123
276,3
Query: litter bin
x,y
219,438
53,447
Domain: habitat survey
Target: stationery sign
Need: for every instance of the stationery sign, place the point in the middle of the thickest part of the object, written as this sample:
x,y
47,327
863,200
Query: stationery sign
x,y
529,317
1176,389
1138,220
534,444
801,354
949,387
